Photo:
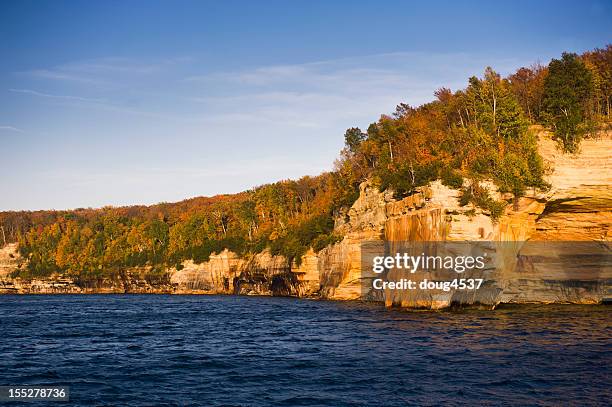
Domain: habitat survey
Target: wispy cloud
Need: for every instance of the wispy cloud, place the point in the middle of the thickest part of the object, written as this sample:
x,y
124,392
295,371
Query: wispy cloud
x,y
58,74
104,104
373,69
276,121
318,94
102,71
333,93
11,128
48,95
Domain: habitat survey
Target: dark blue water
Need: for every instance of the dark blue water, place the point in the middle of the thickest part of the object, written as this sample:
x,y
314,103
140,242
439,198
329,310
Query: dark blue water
x,y
223,350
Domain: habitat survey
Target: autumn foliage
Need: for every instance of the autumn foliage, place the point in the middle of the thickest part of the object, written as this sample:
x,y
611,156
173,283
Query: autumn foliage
x,y
462,137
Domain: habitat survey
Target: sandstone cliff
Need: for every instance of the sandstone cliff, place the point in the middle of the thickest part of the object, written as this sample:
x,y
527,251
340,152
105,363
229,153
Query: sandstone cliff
x,y
577,208
136,280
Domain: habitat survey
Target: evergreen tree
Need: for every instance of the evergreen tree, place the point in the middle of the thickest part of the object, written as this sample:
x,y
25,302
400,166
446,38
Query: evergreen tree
x,y
567,92
353,138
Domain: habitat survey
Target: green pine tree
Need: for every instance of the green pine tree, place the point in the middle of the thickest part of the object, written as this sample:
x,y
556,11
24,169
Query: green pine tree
x,y
567,93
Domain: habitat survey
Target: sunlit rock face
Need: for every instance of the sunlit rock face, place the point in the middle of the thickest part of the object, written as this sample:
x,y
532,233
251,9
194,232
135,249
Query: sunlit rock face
x,y
340,265
259,274
10,261
133,280
578,208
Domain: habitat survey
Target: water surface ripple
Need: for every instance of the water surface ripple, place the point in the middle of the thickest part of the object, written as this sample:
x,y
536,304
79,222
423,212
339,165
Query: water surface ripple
x,y
141,350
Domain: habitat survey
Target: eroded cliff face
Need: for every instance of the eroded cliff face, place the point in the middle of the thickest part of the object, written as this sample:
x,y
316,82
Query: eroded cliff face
x,y
550,248
577,208
135,280
259,274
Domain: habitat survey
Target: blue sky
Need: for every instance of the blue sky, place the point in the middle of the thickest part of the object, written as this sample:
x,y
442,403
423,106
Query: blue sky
x,y
134,102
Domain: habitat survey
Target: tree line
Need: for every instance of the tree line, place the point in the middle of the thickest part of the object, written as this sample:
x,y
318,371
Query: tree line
x,y
462,137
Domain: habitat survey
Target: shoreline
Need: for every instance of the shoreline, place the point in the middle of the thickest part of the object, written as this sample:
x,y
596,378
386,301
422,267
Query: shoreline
x,y
606,302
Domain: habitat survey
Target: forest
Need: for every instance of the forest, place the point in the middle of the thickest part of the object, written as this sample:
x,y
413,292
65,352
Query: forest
x,y
462,137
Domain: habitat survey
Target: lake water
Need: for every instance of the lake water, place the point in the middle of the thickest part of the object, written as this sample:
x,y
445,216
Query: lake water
x,y
258,351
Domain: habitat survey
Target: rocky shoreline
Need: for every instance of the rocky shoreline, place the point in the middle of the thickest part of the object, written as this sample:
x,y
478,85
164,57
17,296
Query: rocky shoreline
x,y
578,208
